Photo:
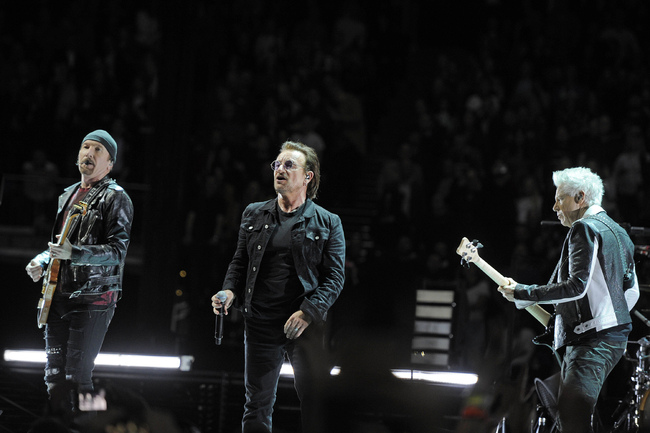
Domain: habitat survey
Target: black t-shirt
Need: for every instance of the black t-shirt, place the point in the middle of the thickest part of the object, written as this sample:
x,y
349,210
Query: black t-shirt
x,y
278,290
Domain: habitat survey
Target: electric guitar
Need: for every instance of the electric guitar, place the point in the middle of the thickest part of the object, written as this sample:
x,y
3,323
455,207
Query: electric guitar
x,y
52,273
468,251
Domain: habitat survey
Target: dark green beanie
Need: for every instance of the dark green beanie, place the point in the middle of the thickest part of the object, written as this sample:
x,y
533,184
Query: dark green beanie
x,y
104,138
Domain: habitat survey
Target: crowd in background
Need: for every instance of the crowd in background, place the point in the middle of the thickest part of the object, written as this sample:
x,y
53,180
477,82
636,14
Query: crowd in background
x,y
455,118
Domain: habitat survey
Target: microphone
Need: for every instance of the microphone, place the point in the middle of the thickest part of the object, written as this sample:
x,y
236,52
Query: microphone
x,y
218,322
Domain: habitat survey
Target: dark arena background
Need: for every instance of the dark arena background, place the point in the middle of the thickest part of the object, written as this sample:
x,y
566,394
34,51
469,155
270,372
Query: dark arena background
x,y
434,121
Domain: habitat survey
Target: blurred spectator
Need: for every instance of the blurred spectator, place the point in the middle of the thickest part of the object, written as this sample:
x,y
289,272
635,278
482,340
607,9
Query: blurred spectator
x,y
347,114
474,296
629,169
40,188
529,202
401,185
305,133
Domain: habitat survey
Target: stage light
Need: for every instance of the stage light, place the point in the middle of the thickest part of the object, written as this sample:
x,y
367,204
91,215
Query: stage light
x,y
441,377
444,377
182,363
287,370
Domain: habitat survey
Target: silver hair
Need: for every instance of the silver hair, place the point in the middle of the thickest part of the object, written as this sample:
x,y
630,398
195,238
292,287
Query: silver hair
x,y
573,180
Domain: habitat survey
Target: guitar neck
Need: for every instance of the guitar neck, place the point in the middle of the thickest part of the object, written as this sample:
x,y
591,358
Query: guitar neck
x,y
67,228
491,272
535,310
52,274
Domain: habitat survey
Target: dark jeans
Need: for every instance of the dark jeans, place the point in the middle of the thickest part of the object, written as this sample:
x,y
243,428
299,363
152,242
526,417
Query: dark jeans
x,y
584,370
262,372
73,336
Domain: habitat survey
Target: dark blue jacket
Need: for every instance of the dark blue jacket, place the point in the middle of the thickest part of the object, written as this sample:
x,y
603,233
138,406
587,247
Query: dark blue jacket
x,y
318,248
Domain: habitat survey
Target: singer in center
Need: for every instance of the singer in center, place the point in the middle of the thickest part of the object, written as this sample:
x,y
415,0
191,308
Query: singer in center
x,y
287,271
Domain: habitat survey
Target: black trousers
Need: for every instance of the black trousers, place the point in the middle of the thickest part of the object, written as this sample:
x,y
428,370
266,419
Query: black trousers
x,y
264,357
74,335
584,371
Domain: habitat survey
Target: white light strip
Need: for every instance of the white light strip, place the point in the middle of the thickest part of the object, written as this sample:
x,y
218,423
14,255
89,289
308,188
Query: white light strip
x,y
448,377
182,363
287,370
445,377
36,356
123,360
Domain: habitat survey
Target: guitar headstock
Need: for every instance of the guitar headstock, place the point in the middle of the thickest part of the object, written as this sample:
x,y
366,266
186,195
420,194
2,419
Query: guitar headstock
x,y
468,251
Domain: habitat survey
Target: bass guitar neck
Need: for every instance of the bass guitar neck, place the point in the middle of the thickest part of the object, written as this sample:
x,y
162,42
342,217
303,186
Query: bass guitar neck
x,y
469,253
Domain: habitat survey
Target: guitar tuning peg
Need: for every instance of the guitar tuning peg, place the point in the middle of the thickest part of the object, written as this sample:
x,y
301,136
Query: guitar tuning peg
x,y
464,262
477,244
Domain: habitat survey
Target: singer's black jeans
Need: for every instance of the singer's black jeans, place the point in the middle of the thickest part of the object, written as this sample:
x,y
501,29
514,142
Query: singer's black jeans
x,y
263,360
73,336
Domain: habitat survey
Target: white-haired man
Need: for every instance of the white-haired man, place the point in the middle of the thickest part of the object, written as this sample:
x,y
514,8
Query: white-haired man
x,y
593,288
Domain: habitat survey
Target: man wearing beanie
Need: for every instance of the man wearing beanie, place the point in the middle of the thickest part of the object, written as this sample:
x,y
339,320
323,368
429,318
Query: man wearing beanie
x,y
90,264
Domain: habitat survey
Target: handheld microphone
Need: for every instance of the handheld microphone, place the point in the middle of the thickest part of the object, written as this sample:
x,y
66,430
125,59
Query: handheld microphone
x,y
218,322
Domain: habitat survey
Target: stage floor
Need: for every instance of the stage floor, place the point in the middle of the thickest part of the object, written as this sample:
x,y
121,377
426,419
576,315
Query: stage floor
x,y
212,401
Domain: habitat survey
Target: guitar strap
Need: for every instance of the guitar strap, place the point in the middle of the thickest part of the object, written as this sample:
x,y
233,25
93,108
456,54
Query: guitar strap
x,y
553,278
94,192
92,197
555,271
627,268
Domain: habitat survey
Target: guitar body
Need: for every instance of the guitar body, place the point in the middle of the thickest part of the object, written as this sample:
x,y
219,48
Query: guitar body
x,y
52,274
49,286
546,338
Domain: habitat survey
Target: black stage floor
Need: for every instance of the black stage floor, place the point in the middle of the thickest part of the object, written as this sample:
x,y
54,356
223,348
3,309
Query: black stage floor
x,y
212,401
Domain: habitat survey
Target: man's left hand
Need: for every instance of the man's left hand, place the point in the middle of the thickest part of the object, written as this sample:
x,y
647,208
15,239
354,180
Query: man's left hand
x,y
296,325
61,252
508,291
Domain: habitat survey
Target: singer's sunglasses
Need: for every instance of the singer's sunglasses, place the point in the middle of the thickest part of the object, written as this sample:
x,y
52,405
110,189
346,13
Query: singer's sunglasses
x,y
289,165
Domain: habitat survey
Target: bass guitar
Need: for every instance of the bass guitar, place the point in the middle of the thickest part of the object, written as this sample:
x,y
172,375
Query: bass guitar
x,y
52,274
468,251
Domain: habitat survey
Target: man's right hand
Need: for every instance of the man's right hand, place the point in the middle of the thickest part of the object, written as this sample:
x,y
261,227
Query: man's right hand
x,y
217,304
34,270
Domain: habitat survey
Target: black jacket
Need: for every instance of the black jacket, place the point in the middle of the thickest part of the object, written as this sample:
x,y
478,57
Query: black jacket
x,y
100,240
318,246
596,285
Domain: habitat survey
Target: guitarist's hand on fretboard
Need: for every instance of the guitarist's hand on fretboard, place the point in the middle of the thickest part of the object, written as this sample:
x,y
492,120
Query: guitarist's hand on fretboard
x,y
468,251
61,252
34,270
508,291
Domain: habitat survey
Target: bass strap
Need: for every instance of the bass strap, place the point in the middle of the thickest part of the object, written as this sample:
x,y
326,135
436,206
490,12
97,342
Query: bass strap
x,y
627,268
